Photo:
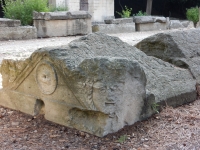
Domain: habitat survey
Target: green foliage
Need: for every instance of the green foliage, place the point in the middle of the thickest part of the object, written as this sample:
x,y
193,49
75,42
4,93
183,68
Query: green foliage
x,y
155,107
193,14
23,9
126,13
60,8
122,139
140,13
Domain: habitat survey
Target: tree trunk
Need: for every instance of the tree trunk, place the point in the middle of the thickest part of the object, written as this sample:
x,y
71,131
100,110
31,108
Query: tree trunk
x,y
149,7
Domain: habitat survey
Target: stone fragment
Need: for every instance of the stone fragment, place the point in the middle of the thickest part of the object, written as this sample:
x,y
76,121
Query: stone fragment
x,y
63,15
114,28
149,19
4,22
18,33
182,48
187,24
118,21
97,84
150,23
175,24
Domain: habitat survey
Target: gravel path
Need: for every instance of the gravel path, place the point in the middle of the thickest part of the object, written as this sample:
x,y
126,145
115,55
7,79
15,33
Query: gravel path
x,y
21,49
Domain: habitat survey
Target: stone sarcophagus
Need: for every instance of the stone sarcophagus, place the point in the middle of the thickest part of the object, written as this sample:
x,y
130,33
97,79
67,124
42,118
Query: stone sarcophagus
x,y
96,84
51,24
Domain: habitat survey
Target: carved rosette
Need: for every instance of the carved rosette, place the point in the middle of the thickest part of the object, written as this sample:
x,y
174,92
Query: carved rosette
x,y
46,77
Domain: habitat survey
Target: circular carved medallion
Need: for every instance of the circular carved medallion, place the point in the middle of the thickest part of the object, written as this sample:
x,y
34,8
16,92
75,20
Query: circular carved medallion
x,y
46,77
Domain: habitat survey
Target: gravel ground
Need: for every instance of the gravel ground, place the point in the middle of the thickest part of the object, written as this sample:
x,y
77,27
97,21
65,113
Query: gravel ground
x,y
176,129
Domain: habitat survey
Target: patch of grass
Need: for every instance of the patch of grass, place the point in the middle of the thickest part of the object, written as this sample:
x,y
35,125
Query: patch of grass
x,y
122,139
155,107
140,13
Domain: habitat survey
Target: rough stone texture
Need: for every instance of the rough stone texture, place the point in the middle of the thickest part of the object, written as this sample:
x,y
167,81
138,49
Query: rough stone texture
x,y
148,19
187,24
175,24
96,84
150,23
181,48
150,26
53,24
61,15
118,21
4,22
114,28
18,33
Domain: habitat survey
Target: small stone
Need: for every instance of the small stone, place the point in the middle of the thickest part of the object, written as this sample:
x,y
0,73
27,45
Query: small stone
x,y
87,135
15,123
146,146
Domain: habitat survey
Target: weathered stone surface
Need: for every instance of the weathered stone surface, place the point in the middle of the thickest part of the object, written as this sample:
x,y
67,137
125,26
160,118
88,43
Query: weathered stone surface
x,y
148,19
187,24
53,24
4,22
150,23
18,33
175,24
114,28
61,15
181,48
118,21
96,84
150,26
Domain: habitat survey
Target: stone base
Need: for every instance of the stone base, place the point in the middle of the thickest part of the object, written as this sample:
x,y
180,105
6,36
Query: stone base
x,y
114,28
18,33
150,26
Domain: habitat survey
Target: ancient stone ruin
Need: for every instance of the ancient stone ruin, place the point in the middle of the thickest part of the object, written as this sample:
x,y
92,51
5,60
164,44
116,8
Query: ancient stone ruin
x,y
51,24
97,84
11,29
181,48
150,23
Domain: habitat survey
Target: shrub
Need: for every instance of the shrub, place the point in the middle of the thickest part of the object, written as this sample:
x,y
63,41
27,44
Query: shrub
x,y
23,9
126,13
192,14
140,13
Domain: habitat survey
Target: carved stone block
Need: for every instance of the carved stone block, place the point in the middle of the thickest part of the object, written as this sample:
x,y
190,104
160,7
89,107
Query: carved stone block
x,y
96,84
51,24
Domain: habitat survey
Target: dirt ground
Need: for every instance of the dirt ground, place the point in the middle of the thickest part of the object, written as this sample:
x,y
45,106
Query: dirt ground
x,y
172,128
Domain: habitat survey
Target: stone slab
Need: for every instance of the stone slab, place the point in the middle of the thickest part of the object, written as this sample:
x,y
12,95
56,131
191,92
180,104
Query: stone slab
x,y
150,26
18,33
182,48
61,15
118,21
4,22
148,19
114,28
